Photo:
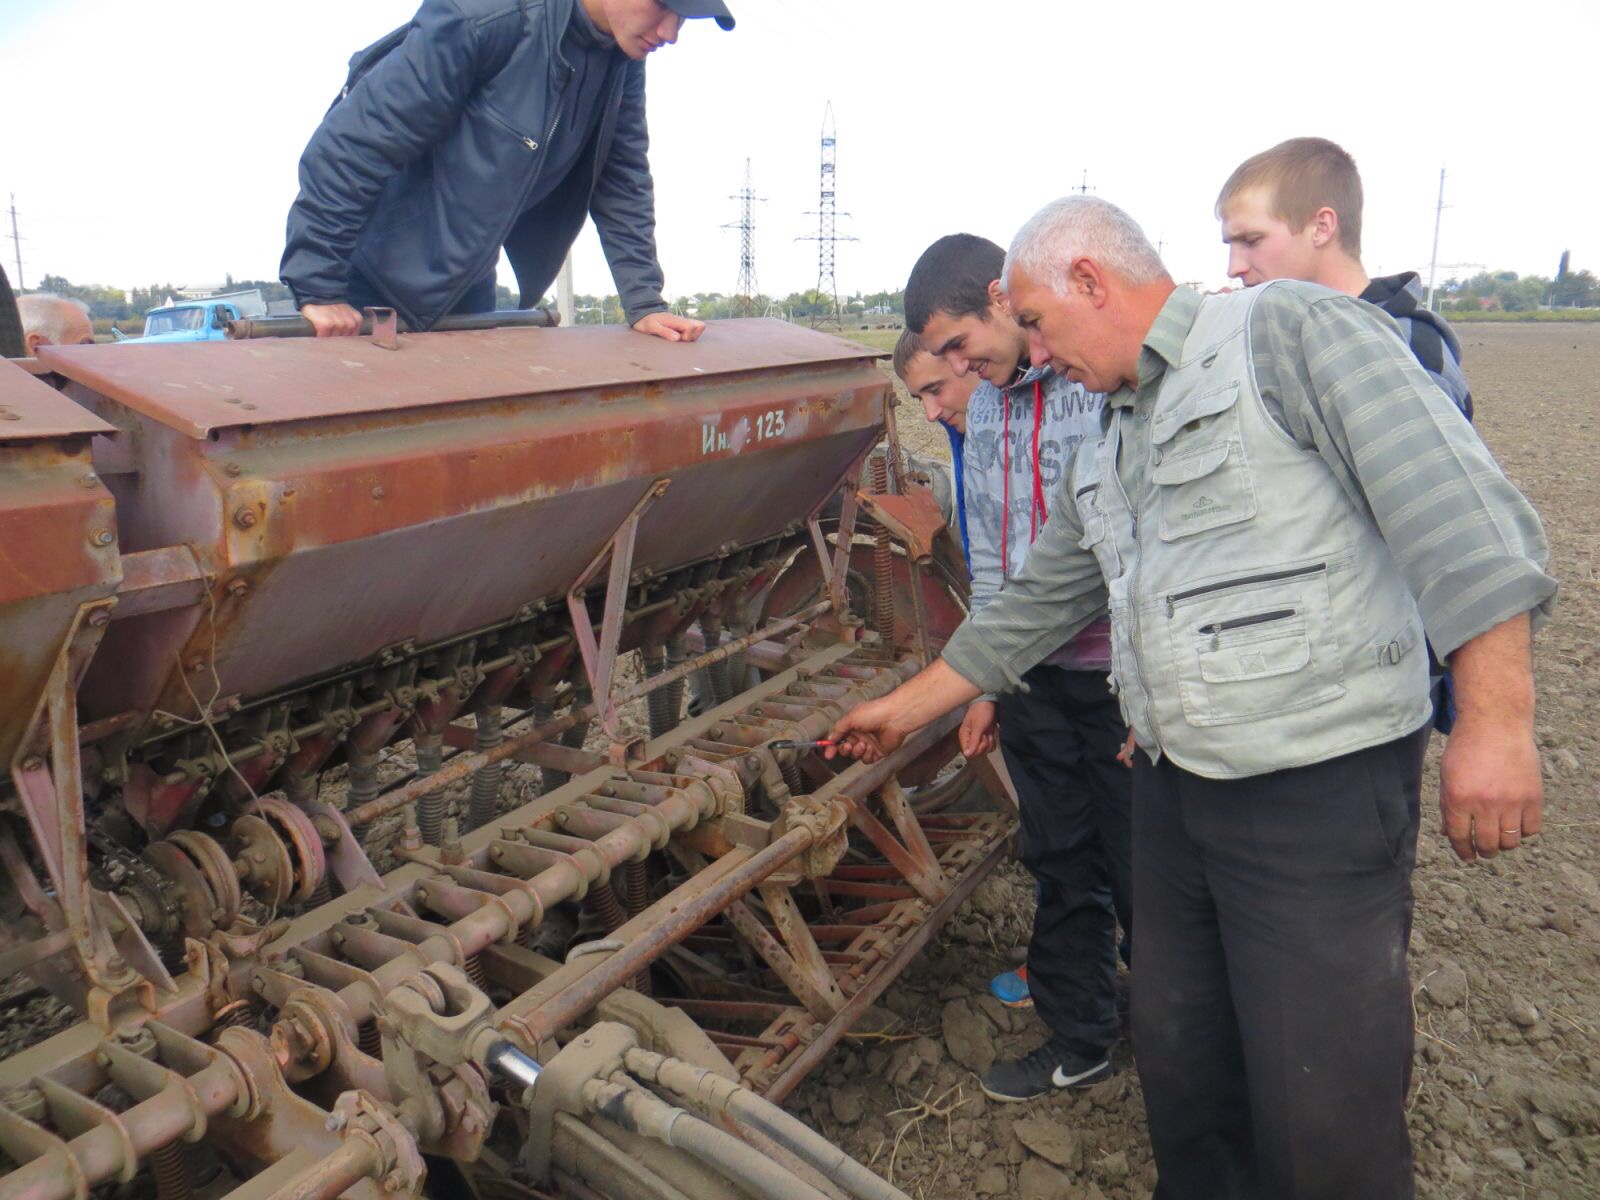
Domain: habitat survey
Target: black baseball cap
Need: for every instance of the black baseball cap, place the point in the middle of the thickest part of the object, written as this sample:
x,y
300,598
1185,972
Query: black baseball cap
x,y
689,9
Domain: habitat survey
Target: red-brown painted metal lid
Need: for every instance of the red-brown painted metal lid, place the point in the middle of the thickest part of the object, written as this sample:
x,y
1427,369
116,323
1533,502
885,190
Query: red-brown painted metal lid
x,y
31,410
198,387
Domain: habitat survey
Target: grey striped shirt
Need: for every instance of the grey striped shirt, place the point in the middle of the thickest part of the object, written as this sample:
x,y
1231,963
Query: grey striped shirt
x,y
1335,375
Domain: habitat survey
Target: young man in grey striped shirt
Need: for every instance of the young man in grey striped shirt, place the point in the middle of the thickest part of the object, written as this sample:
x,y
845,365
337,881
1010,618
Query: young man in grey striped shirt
x,y
1282,504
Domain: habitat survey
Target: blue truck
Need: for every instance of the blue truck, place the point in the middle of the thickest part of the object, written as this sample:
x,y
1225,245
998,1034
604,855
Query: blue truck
x,y
200,320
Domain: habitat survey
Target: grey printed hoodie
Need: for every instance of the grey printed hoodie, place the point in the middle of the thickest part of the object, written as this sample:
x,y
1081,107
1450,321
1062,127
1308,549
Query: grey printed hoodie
x,y
1067,415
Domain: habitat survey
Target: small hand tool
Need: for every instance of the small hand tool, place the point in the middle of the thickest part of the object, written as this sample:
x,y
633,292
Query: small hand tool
x,y
786,744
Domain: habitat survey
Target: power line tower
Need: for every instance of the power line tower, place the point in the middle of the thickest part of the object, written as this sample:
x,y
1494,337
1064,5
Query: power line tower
x,y
1083,189
826,236
16,241
746,292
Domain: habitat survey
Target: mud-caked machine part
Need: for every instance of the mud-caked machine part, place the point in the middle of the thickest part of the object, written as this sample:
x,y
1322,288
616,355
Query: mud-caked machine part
x,y
330,623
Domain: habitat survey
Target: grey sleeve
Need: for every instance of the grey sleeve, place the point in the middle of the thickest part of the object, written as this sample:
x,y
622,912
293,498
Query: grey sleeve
x,y
1470,546
1059,591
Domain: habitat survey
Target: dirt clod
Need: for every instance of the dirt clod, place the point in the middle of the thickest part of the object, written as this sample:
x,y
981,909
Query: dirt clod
x,y
1050,1140
1039,1181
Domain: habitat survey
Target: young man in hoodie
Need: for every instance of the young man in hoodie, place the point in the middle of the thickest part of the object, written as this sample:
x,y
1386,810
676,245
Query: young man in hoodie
x,y
944,397
1294,212
1060,738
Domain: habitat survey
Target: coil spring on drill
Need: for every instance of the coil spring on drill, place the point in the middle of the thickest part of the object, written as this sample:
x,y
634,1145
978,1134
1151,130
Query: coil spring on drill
x,y
370,1040
609,909
241,1013
663,712
677,651
171,1171
882,560
635,888
484,804
431,808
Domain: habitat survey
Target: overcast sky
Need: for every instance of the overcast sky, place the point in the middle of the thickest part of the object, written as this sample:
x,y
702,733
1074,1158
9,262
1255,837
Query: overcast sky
x,y
157,142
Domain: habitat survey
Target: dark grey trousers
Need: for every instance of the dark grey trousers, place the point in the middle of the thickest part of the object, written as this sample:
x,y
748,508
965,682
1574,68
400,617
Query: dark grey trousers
x,y
1272,1007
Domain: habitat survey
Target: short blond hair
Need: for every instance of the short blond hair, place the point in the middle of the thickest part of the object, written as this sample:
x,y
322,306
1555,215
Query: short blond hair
x,y
1301,176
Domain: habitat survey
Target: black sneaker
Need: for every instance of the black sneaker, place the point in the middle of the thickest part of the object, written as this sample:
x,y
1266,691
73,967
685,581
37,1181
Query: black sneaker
x,y
1041,1072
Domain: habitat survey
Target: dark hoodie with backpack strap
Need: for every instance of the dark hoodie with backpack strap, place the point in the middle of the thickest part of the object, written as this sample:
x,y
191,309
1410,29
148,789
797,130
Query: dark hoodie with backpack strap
x,y
1433,343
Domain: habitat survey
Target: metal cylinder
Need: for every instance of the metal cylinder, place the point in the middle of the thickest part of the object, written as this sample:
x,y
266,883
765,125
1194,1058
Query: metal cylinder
x,y
431,807
484,804
508,1060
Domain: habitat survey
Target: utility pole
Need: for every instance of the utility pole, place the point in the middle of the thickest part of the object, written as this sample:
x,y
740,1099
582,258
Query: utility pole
x,y
1433,263
825,236
746,291
1083,188
16,241
565,306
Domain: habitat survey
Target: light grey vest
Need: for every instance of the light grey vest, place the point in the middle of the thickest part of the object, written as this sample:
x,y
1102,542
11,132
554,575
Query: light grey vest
x,y
1258,621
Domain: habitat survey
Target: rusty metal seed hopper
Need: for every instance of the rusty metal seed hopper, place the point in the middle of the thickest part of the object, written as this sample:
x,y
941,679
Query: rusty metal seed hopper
x,y
287,653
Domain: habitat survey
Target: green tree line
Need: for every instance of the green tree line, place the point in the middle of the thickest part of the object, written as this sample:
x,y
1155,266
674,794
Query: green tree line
x,y
1507,291
117,304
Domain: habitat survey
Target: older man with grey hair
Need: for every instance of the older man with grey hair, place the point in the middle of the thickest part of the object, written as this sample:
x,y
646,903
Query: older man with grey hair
x,y
51,320
1282,504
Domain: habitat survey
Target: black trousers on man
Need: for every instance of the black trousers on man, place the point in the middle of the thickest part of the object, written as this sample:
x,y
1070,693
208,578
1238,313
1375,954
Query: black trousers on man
x,y
1272,1009
1060,740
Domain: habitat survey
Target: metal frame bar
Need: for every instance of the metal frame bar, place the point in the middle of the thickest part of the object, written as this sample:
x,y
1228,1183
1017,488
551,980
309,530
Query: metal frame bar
x,y
599,658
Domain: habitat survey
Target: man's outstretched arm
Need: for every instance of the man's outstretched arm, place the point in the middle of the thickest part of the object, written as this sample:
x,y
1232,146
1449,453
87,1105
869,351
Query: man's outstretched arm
x,y
877,727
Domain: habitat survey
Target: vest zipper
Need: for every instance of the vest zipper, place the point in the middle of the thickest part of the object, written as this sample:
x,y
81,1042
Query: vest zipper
x,y
1176,598
1216,628
1133,592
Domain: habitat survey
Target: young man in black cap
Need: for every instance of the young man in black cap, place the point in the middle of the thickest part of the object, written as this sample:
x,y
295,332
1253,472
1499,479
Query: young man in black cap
x,y
480,125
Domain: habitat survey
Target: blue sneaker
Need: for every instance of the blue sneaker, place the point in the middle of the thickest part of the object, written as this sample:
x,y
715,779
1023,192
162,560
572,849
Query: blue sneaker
x,y
1011,989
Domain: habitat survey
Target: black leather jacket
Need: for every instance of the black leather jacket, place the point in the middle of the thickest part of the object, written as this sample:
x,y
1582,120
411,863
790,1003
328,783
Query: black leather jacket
x,y
419,173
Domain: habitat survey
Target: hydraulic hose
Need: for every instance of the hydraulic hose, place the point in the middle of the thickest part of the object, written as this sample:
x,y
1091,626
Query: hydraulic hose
x,y
640,1112
724,1095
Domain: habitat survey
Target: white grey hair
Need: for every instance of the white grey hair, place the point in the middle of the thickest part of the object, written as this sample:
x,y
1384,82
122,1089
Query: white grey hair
x,y
1082,227
46,313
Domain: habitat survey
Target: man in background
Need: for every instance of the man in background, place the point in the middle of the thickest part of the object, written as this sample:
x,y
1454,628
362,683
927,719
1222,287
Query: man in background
x,y
51,320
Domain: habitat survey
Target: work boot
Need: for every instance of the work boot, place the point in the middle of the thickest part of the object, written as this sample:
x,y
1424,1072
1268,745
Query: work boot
x,y
1011,988
1042,1071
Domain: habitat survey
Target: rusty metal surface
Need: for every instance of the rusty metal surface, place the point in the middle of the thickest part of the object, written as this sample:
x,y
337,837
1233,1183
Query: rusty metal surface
x,y
30,409
429,523
58,546
201,387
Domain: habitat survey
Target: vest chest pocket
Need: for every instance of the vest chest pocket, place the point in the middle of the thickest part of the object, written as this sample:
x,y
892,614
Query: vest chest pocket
x,y
1198,465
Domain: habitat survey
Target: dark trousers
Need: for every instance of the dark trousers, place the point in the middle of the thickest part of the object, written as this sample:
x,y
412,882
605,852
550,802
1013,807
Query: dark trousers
x,y
1272,1008
1060,741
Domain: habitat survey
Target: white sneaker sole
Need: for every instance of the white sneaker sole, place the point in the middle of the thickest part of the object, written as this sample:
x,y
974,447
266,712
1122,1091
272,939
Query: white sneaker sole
x,y
1058,1082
